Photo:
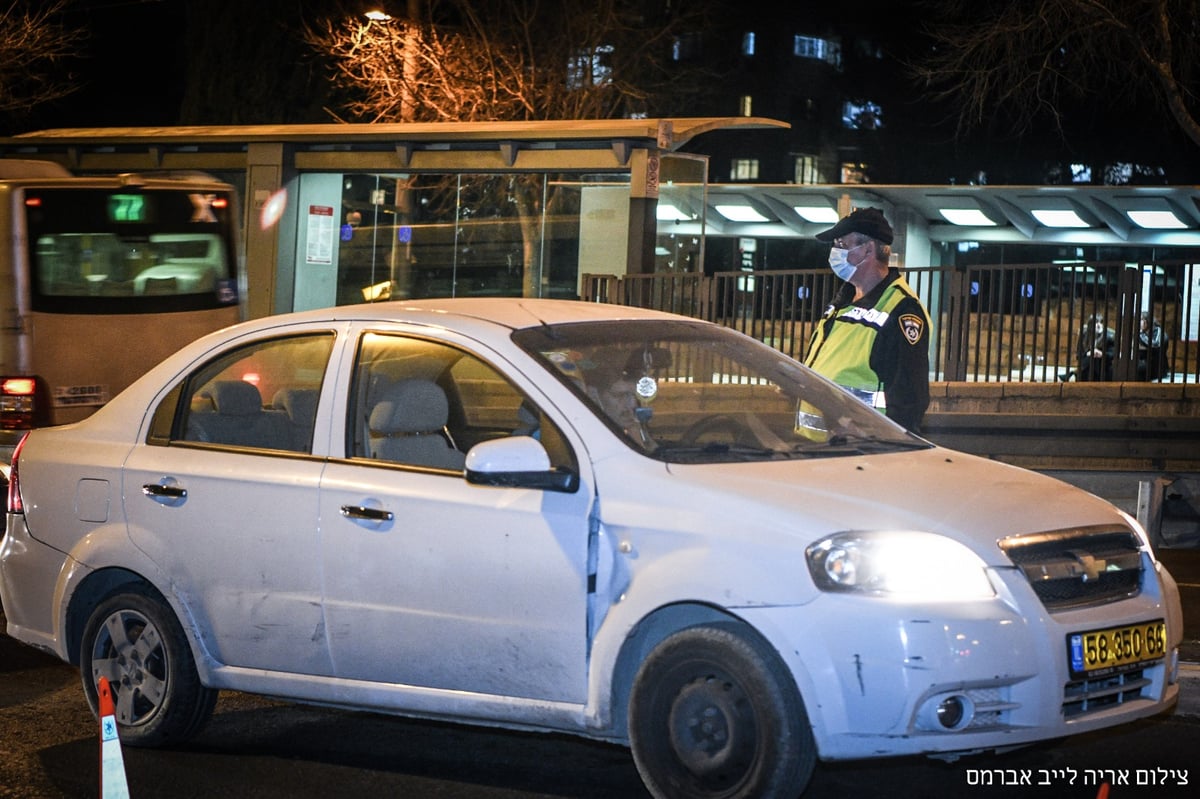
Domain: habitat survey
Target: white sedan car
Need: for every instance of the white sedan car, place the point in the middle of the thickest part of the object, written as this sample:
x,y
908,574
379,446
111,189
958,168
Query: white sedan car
x,y
563,516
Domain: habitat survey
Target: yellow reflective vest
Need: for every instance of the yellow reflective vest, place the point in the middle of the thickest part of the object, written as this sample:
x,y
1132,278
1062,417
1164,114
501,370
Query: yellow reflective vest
x,y
842,345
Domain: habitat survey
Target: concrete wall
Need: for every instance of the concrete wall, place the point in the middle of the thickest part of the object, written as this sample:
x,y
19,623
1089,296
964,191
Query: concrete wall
x,y
1070,425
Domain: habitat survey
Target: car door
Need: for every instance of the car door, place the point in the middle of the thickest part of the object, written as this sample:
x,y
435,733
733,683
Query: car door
x,y
431,581
223,497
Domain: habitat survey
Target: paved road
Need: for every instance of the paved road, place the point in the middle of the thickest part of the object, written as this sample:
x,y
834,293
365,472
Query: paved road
x,y
261,749
258,749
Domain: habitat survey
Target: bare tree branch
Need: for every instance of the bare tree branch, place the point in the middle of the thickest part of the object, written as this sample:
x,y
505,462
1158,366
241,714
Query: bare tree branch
x,y
509,59
1014,63
34,47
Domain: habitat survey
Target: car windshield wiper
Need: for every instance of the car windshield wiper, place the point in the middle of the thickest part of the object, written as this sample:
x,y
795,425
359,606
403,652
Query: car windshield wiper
x,y
851,444
720,449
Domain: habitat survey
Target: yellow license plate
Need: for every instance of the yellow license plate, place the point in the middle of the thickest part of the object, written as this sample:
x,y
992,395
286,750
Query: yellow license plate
x,y
1113,648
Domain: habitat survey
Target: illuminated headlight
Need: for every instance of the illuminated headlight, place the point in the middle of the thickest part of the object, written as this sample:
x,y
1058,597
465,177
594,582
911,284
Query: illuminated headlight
x,y
900,564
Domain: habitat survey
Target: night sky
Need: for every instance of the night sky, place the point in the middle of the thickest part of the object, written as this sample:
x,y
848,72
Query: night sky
x,y
131,69
167,62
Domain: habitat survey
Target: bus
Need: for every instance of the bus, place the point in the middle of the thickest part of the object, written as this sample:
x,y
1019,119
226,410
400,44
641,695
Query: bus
x,y
101,277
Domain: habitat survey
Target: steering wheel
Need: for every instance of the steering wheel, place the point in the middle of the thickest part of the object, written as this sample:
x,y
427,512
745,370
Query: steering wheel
x,y
721,427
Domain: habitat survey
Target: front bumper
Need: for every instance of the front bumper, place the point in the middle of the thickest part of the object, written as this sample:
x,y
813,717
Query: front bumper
x,y
881,678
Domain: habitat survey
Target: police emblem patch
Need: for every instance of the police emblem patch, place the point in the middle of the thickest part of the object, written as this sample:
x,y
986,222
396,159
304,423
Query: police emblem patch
x,y
911,326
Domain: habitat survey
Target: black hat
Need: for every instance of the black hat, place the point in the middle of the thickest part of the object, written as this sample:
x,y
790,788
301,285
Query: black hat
x,y
867,221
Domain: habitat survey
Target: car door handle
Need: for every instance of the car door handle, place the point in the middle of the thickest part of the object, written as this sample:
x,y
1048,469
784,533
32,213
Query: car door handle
x,y
166,492
373,514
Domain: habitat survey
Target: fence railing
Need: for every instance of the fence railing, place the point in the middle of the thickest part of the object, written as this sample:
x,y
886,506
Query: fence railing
x,y
1020,322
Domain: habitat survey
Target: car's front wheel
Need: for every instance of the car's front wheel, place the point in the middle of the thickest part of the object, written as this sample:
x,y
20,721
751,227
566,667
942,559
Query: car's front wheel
x,y
715,713
134,640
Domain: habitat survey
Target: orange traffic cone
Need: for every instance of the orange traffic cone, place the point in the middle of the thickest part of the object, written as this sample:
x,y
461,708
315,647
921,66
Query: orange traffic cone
x,y
112,765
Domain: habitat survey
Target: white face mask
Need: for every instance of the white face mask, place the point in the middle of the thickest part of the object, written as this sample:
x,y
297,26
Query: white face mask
x,y
838,263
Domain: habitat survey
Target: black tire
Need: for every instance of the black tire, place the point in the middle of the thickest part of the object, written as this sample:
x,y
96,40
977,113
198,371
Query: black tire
x,y
715,713
134,640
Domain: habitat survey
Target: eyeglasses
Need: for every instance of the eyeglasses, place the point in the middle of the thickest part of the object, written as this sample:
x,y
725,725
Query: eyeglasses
x,y
849,244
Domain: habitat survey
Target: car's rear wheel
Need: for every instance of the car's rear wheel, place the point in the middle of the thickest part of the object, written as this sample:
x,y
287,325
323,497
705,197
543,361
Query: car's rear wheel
x,y
715,713
134,640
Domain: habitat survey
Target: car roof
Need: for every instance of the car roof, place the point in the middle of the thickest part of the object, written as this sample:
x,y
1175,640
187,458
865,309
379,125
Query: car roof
x,y
510,312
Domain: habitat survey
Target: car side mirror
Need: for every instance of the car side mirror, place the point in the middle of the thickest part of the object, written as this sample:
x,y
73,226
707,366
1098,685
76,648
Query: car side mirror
x,y
516,462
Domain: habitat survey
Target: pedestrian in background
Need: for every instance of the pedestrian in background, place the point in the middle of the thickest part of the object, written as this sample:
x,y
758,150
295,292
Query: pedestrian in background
x,y
1152,350
1097,343
874,338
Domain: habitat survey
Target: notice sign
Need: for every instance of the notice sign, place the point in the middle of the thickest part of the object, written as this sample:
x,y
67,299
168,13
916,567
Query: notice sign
x,y
319,249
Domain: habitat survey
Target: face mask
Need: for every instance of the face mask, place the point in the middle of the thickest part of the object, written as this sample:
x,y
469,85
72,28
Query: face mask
x,y
838,263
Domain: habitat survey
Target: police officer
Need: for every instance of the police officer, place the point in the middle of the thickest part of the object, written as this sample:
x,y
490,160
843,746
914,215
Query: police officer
x,y
874,338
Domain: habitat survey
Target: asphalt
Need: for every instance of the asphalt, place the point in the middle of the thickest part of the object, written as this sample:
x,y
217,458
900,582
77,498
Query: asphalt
x,y
1189,690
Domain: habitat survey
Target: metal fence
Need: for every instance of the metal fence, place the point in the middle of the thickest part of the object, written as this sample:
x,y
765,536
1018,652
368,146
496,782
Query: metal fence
x,y
1018,322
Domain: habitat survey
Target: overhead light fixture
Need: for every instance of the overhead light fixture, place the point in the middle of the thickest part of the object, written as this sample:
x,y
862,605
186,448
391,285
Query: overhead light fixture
x,y
817,214
1157,220
964,210
669,213
1058,217
970,217
740,213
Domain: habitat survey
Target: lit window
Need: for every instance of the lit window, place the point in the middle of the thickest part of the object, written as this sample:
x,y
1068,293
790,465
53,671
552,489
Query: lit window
x,y
806,170
748,43
590,68
808,47
854,172
862,115
744,169
745,105
817,49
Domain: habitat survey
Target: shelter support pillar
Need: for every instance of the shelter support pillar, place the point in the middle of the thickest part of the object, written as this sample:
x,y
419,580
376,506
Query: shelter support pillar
x,y
643,204
266,177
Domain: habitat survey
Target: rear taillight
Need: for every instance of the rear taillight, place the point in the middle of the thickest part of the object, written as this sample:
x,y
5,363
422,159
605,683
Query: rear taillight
x,y
15,505
24,403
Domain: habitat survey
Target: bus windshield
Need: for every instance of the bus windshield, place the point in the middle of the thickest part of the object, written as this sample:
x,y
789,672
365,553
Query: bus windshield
x,y
129,250
109,275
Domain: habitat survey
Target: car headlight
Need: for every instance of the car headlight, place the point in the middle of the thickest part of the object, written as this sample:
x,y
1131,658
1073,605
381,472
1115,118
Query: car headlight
x,y
902,564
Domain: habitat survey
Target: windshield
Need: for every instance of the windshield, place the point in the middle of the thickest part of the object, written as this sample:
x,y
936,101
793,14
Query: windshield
x,y
690,392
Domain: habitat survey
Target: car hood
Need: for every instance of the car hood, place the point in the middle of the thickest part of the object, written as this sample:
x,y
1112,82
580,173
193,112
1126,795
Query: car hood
x,y
971,499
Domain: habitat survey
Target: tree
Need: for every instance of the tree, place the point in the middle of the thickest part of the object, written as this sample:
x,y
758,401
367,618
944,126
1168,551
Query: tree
x,y
34,49
463,60
512,60
1021,62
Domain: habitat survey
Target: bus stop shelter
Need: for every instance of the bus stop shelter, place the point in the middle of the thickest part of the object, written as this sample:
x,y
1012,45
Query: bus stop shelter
x,y
339,211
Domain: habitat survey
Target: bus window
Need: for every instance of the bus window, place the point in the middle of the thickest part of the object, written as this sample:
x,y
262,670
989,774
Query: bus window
x,y
119,251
